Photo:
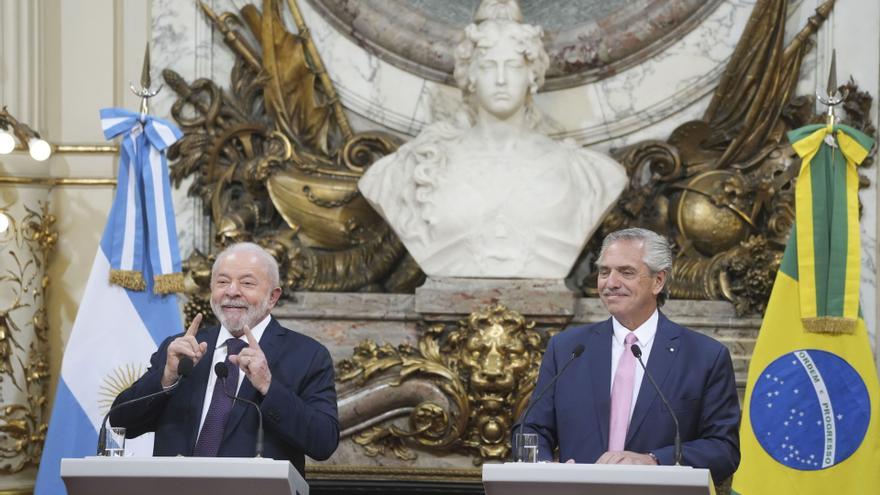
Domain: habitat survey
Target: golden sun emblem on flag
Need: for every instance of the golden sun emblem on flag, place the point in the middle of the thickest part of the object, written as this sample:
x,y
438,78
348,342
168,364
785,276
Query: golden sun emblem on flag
x,y
115,382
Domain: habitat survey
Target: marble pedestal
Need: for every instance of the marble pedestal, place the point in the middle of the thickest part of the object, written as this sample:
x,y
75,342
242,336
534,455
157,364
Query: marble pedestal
x,y
542,300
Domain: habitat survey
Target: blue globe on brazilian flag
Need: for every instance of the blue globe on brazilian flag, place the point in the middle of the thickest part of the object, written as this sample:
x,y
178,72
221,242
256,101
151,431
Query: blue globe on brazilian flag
x,y
811,415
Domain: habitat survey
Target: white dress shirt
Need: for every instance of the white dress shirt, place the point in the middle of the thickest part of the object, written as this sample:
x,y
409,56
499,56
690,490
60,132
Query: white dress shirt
x,y
645,335
220,356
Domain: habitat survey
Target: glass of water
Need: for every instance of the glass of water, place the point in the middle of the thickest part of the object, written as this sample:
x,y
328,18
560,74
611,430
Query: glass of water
x,y
115,446
526,447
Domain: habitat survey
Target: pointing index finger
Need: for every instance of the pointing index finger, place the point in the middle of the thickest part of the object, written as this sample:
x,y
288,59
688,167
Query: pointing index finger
x,y
194,326
252,342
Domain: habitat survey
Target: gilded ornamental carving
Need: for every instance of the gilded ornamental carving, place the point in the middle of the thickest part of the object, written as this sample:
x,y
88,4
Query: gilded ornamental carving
x,y
24,348
721,187
479,373
275,161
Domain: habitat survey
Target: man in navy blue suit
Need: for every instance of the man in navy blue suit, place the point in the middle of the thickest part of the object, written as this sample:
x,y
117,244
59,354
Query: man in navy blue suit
x,y
601,411
288,374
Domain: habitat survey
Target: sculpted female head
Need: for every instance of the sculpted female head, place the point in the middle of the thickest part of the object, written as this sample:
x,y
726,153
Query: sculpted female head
x,y
501,61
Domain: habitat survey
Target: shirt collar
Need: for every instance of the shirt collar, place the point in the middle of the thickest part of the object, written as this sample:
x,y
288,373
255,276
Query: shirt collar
x,y
645,333
258,330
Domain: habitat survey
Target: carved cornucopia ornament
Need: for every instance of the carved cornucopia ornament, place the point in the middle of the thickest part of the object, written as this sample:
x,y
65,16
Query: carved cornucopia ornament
x,y
275,161
721,188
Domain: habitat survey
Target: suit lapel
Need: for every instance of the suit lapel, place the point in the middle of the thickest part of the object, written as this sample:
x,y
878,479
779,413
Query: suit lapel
x,y
271,344
598,362
199,379
659,363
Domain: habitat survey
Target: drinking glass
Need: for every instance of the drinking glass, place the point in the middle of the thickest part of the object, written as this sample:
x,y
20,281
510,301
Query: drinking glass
x,y
526,447
115,446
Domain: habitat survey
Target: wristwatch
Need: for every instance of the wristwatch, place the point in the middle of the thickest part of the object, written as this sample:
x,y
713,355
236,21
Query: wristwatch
x,y
654,457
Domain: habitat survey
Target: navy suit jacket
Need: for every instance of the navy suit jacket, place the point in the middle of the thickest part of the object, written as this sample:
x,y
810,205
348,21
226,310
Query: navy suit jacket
x,y
299,409
694,372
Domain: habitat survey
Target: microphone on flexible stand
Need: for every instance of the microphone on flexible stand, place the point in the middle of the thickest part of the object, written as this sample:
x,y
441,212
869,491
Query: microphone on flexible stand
x,y
222,373
578,350
184,368
637,352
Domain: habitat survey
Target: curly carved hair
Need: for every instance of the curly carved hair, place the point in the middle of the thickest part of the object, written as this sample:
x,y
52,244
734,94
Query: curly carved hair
x,y
496,20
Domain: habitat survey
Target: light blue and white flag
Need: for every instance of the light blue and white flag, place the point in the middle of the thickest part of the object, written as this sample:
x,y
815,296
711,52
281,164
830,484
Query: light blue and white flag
x,y
118,328
143,232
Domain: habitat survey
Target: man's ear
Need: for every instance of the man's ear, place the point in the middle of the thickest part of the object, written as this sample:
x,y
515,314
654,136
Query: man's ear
x,y
274,296
659,282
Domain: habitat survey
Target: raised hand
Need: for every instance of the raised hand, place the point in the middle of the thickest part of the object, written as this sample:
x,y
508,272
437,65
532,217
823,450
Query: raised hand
x,y
185,345
252,362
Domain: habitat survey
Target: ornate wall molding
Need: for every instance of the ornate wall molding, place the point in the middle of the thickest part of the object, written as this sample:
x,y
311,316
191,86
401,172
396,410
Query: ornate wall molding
x,y
680,75
25,248
586,40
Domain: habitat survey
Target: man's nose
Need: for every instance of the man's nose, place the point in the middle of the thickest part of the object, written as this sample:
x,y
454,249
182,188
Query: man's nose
x,y
613,280
232,289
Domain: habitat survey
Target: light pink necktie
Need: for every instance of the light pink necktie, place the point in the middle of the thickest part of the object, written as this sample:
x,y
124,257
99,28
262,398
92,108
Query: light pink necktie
x,y
622,396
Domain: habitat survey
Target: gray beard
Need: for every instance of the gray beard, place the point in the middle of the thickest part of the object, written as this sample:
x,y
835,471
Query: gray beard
x,y
253,315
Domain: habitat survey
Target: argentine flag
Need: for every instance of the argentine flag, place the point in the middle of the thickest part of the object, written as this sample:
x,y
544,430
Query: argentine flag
x,y
118,328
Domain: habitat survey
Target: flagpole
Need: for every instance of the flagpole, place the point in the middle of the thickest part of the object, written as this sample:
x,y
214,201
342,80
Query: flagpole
x,y
144,91
833,95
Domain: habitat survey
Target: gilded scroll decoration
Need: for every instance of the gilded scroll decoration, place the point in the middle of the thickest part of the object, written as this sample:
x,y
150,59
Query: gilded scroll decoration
x,y
24,354
721,188
485,366
275,162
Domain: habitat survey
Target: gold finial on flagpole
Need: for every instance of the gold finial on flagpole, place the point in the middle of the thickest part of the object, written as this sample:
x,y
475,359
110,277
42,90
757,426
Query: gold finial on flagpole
x,y
144,91
832,96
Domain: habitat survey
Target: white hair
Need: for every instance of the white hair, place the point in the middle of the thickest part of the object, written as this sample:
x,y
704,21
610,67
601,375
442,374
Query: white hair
x,y
249,247
657,255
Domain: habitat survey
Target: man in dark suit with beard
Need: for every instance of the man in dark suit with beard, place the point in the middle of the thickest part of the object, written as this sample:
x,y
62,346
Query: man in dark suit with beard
x,y
290,376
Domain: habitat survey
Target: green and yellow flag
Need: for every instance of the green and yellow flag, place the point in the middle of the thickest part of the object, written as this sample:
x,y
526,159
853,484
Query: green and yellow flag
x,y
811,415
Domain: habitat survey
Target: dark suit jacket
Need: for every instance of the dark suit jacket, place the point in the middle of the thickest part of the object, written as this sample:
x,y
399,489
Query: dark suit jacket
x,y
299,409
694,372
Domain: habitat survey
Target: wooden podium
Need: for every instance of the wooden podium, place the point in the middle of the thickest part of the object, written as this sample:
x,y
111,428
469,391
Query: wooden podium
x,y
516,478
181,475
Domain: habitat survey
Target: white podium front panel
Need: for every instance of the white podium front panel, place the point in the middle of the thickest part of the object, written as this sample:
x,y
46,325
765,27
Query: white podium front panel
x,y
594,479
181,475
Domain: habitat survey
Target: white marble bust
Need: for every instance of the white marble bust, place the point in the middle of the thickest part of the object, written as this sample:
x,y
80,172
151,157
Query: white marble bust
x,y
487,196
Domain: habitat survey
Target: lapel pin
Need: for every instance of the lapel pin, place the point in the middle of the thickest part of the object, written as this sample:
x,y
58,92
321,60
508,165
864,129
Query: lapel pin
x,y
672,349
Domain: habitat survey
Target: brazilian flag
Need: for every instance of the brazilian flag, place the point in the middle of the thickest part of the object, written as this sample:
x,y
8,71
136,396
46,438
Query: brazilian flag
x,y
811,415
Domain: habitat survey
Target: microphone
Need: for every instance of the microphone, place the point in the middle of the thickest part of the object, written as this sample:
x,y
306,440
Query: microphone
x,y
637,352
184,368
222,373
578,350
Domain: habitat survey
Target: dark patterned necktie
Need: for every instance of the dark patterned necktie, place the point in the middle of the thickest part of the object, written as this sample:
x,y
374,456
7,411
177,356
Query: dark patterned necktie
x,y
215,421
